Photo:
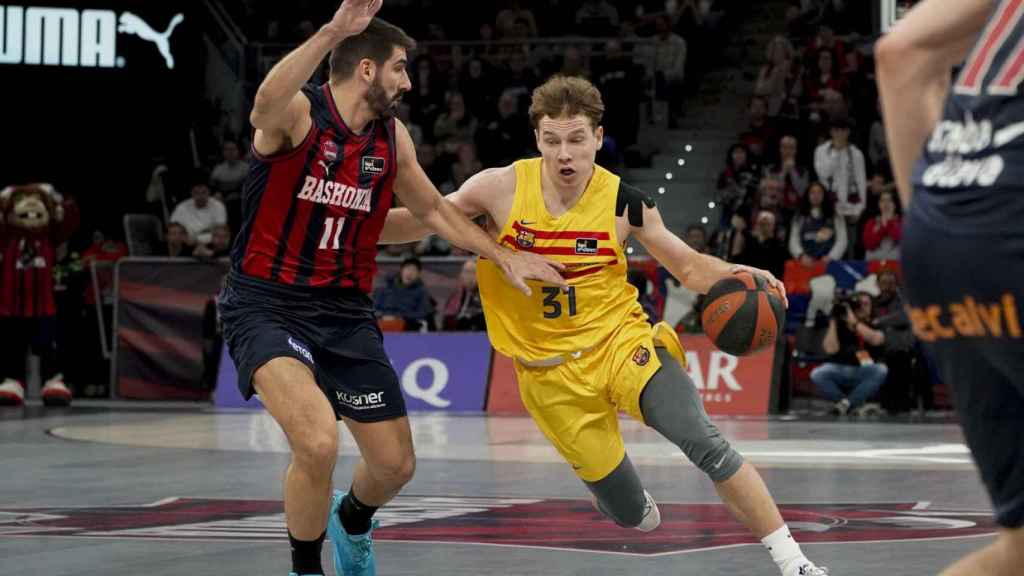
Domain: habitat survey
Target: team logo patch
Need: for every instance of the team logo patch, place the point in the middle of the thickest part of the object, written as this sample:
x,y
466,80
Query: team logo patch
x,y
520,522
642,355
372,165
525,239
330,150
586,245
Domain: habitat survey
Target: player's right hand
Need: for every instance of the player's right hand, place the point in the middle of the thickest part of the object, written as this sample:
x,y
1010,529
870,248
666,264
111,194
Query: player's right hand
x,y
353,17
519,266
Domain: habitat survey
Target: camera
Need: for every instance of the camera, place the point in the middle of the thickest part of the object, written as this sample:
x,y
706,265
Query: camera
x,y
844,301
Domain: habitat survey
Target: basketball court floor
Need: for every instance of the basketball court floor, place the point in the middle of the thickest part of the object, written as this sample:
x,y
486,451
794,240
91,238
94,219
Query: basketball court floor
x,y
126,489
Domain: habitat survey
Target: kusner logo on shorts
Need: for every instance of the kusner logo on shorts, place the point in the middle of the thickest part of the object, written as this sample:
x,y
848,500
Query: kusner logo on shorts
x,y
302,350
361,401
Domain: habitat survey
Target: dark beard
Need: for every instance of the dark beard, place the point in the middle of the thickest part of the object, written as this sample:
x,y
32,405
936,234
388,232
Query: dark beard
x,y
379,101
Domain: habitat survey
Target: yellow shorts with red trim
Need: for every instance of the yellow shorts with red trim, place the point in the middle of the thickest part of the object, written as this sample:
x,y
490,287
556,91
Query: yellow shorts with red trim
x,y
576,403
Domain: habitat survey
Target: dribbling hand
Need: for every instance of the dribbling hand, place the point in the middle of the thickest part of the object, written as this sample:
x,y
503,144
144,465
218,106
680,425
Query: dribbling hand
x,y
353,17
521,266
768,277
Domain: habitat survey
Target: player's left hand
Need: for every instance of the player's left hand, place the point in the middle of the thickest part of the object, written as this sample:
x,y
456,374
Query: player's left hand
x,y
518,266
767,276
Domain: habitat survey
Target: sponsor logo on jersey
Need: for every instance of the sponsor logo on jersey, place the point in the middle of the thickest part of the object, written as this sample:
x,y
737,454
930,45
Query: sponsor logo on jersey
x,y
968,318
301,349
72,38
586,245
335,194
372,165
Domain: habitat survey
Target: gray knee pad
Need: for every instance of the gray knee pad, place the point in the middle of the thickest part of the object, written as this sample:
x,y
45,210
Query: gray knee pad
x,y
672,406
620,495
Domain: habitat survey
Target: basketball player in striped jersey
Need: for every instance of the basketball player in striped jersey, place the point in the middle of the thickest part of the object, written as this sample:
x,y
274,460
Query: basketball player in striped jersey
x,y
584,354
297,319
957,146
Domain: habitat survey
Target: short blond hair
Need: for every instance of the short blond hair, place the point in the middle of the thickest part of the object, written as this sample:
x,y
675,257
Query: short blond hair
x,y
566,96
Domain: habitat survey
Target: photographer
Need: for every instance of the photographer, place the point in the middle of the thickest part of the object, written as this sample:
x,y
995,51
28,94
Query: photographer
x,y
851,376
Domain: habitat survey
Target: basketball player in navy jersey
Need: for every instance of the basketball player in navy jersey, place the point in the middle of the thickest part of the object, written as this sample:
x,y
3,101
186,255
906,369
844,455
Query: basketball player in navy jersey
x,y
297,318
957,145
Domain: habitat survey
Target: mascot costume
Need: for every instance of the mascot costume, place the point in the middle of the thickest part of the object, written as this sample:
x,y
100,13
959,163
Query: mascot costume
x,y
34,221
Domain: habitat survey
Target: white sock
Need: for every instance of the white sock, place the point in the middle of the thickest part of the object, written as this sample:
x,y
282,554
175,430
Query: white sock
x,y
782,547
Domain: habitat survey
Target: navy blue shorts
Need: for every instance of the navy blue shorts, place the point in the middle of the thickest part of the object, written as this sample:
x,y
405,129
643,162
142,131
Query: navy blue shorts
x,y
966,294
333,331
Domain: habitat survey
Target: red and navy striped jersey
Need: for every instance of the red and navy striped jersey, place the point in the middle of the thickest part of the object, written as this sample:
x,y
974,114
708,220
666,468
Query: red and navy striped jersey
x,y
312,216
28,278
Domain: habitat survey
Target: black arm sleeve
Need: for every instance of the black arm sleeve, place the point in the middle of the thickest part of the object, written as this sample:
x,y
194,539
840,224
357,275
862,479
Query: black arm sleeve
x,y
632,199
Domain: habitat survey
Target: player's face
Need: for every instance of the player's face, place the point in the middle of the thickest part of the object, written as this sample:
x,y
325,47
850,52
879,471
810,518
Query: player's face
x,y
389,84
569,146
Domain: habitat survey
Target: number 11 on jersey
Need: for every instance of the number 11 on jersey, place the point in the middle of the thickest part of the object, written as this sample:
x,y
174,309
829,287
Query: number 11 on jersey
x,y
332,229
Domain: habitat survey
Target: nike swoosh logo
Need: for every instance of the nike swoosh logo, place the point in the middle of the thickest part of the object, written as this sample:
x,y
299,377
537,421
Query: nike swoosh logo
x,y
527,222
1007,134
575,467
719,463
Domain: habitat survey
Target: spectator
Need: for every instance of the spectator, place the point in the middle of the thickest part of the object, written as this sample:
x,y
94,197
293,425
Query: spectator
x,y
780,80
477,86
882,233
104,249
455,126
572,63
840,165
697,238
900,350
505,138
508,18
597,18
878,147
817,232
407,298
821,82
826,41
851,376
219,246
638,279
769,199
793,176
669,68
520,80
466,164
177,241
737,183
199,214
464,311
761,137
617,78
763,248
229,175
427,94
732,241
402,112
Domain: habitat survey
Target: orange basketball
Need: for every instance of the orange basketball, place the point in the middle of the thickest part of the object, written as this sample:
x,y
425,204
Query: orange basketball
x,y
743,314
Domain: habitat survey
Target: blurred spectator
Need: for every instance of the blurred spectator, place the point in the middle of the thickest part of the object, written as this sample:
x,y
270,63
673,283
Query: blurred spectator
x,y
761,137
505,138
669,68
177,241
769,199
507,18
199,214
638,278
840,166
780,80
618,77
697,238
763,248
878,183
900,350
793,176
407,298
817,231
427,94
878,147
737,183
520,80
822,81
851,376
826,40
464,310
219,245
104,249
415,131
477,86
227,179
572,63
730,242
435,168
455,126
466,164
882,233
597,18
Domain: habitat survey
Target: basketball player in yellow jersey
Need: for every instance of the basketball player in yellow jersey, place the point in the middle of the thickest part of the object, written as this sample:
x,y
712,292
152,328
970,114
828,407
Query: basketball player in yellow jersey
x,y
584,354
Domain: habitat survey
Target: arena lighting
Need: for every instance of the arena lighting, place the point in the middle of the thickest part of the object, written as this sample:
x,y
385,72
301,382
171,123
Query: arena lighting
x,y
689,148
711,205
661,189
668,175
704,220
680,161
629,250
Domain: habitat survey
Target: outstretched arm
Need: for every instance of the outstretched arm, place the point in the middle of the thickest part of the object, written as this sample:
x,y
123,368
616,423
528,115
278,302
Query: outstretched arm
x,y
402,226
698,272
280,112
428,206
913,63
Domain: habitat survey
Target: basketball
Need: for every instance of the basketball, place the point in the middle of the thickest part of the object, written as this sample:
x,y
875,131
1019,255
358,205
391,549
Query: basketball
x,y
743,314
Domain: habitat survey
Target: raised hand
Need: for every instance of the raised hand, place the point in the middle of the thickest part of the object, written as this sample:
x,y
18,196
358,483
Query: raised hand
x,y
353,17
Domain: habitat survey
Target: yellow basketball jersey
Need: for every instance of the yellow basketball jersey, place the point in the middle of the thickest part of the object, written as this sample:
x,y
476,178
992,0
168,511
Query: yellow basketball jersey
x,y
551,322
